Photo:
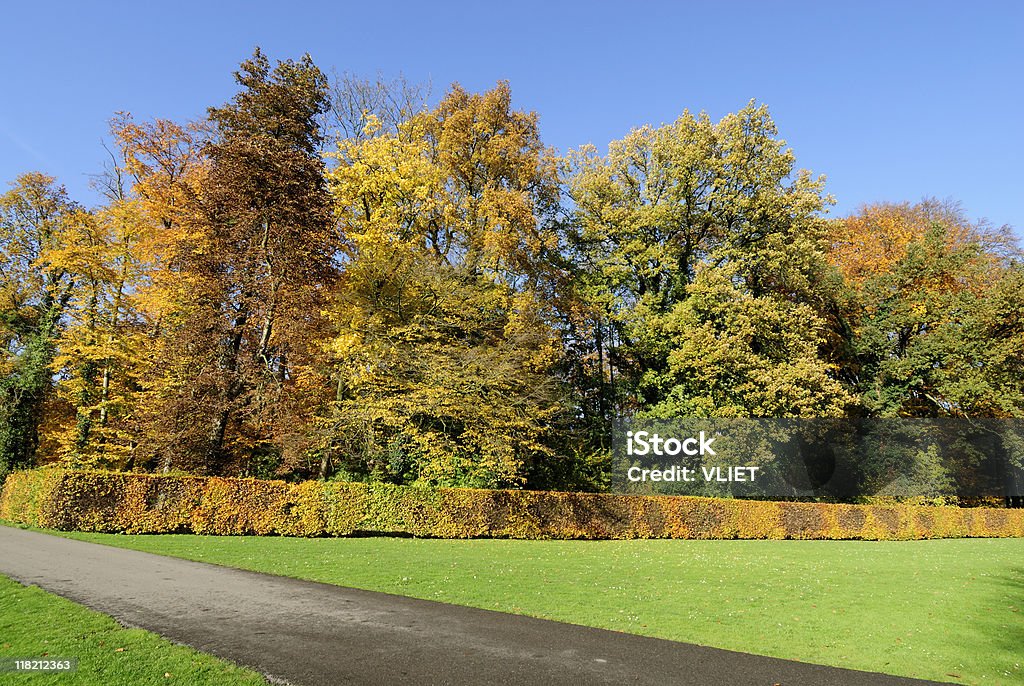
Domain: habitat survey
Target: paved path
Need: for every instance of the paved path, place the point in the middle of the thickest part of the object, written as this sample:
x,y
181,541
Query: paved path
x,y
314,634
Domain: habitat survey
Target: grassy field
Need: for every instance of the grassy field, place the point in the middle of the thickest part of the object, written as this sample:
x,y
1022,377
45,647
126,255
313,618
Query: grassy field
x,y
34,623
949,610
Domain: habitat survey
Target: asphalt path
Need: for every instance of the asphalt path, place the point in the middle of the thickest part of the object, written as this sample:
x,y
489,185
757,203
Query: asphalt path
x,y
312,634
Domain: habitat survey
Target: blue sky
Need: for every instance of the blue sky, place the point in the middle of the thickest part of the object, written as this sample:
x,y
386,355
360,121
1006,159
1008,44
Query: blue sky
x,y
892,101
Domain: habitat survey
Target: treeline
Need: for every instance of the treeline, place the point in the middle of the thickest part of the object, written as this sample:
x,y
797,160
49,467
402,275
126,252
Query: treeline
x,y
340,281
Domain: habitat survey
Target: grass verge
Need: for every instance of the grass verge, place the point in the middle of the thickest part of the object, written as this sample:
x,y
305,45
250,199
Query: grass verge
x,y
36,624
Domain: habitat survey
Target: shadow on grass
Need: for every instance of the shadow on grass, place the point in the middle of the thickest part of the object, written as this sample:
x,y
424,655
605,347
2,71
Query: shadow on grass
x,y
1003,624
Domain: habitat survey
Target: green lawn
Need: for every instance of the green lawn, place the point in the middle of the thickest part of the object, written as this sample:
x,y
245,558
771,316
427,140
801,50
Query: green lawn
x,y
34,623
949,610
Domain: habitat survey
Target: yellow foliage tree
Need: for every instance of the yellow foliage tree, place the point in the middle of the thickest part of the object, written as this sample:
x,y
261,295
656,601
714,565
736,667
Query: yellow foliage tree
x,y
105,348
443,356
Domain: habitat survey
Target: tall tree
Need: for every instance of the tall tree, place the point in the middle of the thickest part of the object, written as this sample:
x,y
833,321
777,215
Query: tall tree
x,y
158,181
444,351
36,286
252,258
104,347
937,332
677,230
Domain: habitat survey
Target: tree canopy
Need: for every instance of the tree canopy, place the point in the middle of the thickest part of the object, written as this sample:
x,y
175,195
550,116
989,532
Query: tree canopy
x,y
356,280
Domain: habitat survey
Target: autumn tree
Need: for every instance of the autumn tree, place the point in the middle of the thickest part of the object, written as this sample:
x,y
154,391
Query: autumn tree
x,y
248,264
37,283
152,188
699,247
936,330
444,355
106,343
872,240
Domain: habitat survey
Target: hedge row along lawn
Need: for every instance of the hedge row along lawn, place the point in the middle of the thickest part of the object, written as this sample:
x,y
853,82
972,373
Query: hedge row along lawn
x,y
119,502
34,623
948,610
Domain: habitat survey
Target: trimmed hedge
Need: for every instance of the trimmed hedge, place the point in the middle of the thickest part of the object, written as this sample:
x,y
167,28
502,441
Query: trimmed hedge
x,y
149,503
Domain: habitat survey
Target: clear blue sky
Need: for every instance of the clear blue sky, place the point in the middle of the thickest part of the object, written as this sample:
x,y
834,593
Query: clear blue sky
x,y
891,100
